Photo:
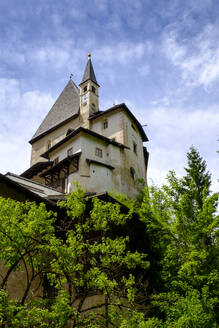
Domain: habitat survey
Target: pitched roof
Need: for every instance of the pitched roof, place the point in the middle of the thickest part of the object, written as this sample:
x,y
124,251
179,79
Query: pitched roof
x,y
65,108
89,73
36,187
35,169
21,192
83,130
124,107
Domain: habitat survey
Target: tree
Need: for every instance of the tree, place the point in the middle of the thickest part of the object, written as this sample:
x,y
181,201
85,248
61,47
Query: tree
x,y
88,274
182,218
92,264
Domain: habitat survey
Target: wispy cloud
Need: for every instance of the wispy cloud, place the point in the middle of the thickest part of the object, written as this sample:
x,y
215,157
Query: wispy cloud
x,y
123,52
196,57
156,56
172,131
21,113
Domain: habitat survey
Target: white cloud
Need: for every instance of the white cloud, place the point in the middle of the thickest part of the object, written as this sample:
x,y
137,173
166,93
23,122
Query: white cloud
x,y
15,155
123,52
144,70
55,56
18,107
165,101
186,123
197,58
172,131
21,114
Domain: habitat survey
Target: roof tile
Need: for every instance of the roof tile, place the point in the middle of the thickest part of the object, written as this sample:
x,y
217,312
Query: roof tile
x,y
65,107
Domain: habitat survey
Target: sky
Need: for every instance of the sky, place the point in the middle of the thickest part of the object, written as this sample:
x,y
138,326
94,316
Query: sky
x,y
159,57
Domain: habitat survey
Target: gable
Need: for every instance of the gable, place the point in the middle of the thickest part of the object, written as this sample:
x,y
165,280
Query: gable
x,y
64,109
128,112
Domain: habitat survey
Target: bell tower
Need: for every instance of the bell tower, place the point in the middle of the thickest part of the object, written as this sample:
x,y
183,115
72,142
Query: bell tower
x,y
89,98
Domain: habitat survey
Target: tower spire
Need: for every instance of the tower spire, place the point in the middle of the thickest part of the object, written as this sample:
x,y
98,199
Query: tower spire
x,y
89,72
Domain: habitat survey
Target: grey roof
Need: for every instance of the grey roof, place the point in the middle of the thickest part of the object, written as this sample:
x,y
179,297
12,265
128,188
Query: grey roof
x,y
89,73
65,107
36,187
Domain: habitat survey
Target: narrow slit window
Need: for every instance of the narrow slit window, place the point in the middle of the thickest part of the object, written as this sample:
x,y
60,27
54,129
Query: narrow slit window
x,y
133,127
135,147
49,144
105,124
98,152
132,172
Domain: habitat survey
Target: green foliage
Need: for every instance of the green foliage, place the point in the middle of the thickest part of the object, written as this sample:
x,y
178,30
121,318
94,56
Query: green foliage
x,y
190,310
89,270
94,268
182,219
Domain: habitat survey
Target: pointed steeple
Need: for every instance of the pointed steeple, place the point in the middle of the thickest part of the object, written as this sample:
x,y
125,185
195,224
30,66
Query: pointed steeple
x,y
89,72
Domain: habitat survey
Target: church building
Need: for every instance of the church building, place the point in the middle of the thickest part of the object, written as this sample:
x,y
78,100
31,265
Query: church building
x,y
102,150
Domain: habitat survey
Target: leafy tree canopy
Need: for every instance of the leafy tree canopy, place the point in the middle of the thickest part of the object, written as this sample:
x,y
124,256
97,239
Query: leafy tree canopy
x,y
99,266
183,221
88,275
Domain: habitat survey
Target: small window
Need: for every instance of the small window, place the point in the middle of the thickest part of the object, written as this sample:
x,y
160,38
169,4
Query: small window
x,y
135,147
85,88
93,89
70,151
49,144
98,152
105,124
56,160
132,172
133,127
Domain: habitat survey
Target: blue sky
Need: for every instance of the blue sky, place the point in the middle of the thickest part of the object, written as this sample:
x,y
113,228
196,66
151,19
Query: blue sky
x,y
159,57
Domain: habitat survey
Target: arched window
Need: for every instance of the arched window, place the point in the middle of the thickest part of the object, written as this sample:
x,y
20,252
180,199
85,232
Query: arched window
x,y
93,89
132,172
85,88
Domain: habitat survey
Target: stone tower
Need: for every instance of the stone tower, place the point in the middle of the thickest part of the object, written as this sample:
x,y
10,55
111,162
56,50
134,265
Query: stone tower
x,y
89,98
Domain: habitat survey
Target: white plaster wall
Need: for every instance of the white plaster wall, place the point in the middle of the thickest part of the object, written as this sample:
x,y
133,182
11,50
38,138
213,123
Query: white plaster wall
x,y
136,160
100,179
40,146
61,151
95,177
119,179
115,128
92,176
130,159
89,144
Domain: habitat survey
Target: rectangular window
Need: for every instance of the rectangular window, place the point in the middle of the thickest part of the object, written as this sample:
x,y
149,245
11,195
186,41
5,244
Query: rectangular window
x,y
70,151
56,160
98,152
133,127
134,147
49,144
105,124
